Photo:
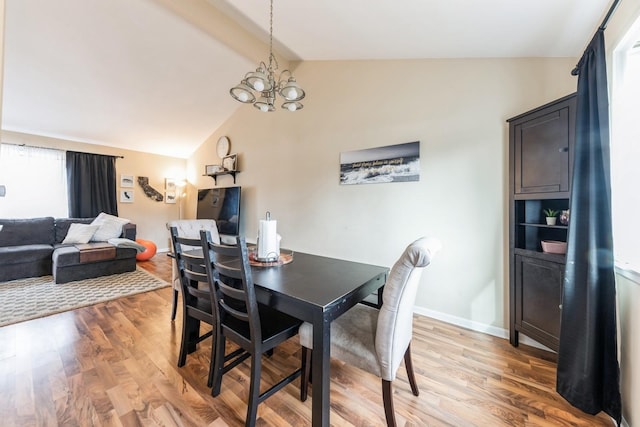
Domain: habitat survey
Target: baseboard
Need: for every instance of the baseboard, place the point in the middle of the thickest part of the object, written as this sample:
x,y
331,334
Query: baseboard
x,y
478,327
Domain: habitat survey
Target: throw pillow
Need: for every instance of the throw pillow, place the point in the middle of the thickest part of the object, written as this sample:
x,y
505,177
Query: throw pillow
x,y
110,227
80,233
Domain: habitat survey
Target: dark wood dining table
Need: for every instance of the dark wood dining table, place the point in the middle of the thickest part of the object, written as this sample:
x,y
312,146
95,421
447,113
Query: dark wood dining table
x,y
318,290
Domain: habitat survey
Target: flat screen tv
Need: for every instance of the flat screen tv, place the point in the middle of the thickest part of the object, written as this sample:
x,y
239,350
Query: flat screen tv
x,y
223,205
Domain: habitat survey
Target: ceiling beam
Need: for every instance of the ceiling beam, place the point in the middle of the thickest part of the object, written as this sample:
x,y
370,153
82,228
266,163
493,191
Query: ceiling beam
x,y
208,18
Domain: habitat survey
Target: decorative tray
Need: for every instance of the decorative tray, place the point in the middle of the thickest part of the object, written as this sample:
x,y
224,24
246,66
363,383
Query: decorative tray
x,y
285,258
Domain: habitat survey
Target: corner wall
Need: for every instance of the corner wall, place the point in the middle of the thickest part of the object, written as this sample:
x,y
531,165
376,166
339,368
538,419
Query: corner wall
x,y
457,109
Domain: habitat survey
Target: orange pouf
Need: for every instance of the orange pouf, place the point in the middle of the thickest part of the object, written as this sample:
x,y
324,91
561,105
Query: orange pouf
x,y
150,250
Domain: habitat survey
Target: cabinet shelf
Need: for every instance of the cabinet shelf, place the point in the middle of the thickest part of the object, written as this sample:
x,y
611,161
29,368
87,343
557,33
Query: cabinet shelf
x,y
558,258
217,174
531,224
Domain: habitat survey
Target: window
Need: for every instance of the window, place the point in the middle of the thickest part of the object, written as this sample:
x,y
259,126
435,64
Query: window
x,y
625,151
36,182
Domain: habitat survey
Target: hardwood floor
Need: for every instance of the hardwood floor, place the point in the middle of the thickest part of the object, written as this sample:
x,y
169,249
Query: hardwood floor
x,y
114,364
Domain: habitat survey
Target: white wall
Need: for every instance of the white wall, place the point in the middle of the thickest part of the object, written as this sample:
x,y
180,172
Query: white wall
x,y
457,110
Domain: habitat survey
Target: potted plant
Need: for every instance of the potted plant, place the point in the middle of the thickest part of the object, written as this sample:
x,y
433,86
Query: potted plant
x,y
550,214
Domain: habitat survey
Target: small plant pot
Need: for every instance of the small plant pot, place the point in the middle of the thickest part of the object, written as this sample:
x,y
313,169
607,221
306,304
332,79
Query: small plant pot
x,y
551,220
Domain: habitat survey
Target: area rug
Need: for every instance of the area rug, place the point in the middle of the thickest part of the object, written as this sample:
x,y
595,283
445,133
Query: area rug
x,y
25,299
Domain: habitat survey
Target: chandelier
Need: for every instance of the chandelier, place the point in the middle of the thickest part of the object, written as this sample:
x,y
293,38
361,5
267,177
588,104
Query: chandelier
x,y
263,81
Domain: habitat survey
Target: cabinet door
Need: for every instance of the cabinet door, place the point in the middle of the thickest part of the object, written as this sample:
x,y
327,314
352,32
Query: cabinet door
x,y
539,299
543,145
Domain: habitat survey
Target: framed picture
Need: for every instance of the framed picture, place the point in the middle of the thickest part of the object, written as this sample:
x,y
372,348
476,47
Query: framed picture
x,y
126,196
230,162
170,184
126,181
170,197
391,163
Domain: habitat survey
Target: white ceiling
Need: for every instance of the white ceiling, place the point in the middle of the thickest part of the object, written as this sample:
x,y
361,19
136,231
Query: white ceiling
x,y
137,75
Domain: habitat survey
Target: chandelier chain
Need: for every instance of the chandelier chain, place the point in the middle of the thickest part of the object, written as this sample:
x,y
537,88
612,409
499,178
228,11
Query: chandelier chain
x,y
271,56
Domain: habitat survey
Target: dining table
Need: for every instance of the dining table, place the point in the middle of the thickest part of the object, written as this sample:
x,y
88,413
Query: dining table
x,y
318,289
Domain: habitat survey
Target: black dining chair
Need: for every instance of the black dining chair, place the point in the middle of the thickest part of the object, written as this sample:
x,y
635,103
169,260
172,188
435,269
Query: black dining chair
x,y
255,327
197,301
188,228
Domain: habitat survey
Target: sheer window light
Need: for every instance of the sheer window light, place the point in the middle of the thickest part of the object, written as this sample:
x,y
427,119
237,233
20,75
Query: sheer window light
x,y
35,181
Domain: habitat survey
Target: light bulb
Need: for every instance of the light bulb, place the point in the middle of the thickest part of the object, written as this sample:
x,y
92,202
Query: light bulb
x,y
258,85
292,106
264,108
291,93
243,97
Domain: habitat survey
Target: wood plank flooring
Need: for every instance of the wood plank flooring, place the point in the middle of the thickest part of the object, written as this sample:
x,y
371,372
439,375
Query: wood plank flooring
x,y
114,364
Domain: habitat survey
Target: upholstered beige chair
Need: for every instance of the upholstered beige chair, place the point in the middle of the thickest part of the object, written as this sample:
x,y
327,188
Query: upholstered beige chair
x,y
188,228
376,340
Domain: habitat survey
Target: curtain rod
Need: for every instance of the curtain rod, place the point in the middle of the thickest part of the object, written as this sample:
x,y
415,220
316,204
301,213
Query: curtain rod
x,y
51,148
602,27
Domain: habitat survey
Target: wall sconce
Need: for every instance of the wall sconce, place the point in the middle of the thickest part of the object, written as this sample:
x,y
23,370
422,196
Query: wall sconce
x,y
3,190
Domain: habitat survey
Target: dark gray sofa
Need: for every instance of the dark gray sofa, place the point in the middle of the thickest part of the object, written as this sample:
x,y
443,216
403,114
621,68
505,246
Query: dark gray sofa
x,y
33,247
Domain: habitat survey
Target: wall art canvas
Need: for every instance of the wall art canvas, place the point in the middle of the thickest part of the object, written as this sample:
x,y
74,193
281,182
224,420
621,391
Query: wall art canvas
x,y
391,163
170,197
170,184
126,196
126,181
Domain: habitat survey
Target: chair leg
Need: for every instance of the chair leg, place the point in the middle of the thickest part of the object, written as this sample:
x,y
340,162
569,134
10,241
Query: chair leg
x,y
174,307
409,365
306,373
218,371
254,390
387,398
184,344
212,364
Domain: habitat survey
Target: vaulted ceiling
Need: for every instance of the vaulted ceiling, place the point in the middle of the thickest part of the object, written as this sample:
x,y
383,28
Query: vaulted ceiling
x,y
154,75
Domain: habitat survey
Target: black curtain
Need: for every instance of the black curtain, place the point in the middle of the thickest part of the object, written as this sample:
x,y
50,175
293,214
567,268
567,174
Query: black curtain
x,y
91,180
588,374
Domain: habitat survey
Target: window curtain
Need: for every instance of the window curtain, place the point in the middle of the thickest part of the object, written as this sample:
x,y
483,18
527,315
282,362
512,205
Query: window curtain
x,y
588,374
91,180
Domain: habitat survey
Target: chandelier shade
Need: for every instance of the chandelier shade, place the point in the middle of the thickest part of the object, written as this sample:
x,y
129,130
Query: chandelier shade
x,y
242,93
260,87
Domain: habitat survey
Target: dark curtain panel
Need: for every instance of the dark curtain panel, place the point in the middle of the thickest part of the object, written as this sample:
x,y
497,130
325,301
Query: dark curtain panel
x,y
588,372
91,179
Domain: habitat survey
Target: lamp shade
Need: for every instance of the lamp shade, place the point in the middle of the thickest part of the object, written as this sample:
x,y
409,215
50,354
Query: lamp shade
x,y
291,91
242,93
292,106
265,104
258,80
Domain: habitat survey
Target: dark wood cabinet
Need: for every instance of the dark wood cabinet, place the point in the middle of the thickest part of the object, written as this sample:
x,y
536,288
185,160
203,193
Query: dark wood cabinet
x,y
541,145
539,297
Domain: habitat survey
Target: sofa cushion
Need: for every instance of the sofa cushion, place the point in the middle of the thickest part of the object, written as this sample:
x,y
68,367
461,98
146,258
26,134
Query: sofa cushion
x,y
110,227
31,231
24,254
80,233
62,226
